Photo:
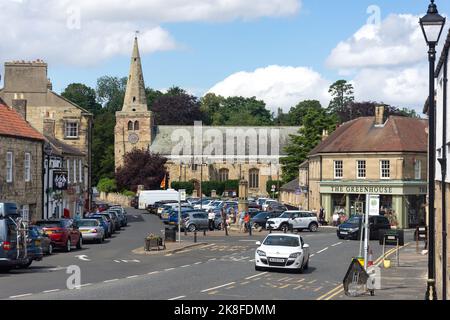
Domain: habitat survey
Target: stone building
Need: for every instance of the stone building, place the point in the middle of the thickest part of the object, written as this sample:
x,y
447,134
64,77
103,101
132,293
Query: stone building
x,y
21,149
28,90
372,155
197,153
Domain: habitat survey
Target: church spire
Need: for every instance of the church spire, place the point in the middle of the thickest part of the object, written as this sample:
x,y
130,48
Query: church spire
x,y
135,98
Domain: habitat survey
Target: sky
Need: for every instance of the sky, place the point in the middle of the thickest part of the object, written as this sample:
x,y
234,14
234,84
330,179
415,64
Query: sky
x,y
280,51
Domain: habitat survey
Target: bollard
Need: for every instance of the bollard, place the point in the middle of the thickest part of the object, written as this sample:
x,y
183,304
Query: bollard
x,y
195,236
204,232
185,231
250,229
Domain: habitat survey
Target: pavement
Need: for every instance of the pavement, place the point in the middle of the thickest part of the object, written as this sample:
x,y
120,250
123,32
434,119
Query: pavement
x,y
219,268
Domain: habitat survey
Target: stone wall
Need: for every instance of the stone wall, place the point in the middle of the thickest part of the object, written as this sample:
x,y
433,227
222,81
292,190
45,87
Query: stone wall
x,y
29,194
115,198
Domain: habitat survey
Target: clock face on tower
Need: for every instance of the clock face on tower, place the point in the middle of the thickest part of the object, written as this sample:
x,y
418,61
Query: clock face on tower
x,y
133,138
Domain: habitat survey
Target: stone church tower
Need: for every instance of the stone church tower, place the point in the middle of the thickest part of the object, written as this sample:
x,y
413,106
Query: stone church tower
x,y
135,122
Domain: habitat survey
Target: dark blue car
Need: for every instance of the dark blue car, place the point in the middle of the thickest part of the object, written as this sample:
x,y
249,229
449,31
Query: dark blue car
x,y
104,223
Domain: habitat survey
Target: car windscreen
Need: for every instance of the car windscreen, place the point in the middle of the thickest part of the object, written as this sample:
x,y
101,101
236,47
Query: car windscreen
x,y
284,241
286,215
354,220
87,223
50,224
261,215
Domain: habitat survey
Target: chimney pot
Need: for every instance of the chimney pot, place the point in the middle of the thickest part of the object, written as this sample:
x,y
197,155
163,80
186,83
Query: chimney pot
x,y
379,115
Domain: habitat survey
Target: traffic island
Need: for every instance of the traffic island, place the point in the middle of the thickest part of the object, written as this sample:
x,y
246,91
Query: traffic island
x,y
171,248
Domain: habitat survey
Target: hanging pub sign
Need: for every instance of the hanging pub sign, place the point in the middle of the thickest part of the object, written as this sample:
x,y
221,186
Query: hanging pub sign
x,y
60,181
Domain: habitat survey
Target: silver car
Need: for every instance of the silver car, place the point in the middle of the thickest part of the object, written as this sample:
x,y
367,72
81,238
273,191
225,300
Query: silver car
x,y
91,230
195,220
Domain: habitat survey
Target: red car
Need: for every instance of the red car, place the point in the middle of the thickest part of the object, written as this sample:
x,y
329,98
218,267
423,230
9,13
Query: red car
x,y
63,233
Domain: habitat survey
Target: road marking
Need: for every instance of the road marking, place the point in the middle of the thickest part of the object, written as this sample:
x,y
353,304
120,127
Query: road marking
x,y
336,244
253,260
284,286
112,280
117,261
247,241
188,265
21,296
214,259
318,289
218,287
298,287
85,285
132,277
244,283
311,282
209,245
83,257
301,280
256,275
169,255
177,298
323,250
312,255
154,272
50,291
170,269
197,263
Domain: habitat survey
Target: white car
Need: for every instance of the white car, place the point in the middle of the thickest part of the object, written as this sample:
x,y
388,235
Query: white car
x,y
298,220
268,203
282,251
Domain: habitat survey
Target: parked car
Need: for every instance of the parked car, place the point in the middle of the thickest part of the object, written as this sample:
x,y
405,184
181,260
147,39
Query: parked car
x,y
282,251
34,249
63,233
171,215
46,242
121,214
135,202
304,220
110,219
195,220
261,218
156,208
149,197
106,225
203,204
269,203
12,238
91,230
351,229
116,219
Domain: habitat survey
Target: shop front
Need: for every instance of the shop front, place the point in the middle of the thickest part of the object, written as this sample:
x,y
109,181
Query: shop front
x,y
402,201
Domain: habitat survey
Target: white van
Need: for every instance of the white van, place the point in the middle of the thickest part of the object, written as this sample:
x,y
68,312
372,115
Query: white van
x,y
149,197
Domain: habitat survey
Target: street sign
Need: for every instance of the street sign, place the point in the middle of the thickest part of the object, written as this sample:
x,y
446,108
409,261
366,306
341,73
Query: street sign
x,y
274,188
182,195
374,205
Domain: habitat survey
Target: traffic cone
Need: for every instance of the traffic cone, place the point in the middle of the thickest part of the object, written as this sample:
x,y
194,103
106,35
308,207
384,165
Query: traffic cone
x,y
370,259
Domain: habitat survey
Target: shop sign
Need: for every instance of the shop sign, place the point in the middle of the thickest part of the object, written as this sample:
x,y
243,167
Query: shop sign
x,y
362,189
374,205
60,181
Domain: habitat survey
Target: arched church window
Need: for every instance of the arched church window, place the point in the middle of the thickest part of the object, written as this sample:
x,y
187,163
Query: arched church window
x,y
136,125
223,175
130,126
254,179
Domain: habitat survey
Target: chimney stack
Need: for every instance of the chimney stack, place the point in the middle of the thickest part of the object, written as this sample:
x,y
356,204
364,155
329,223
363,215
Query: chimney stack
x,y
20,105
49,128
324,135
379,116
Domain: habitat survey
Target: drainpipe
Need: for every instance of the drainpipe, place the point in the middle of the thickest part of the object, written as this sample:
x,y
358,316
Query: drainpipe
x,y
444,176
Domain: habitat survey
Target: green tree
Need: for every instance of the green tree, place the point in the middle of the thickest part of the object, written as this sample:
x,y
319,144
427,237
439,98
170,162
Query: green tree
x,y
309,136
83,96
342,93
103,146
111,92
107,185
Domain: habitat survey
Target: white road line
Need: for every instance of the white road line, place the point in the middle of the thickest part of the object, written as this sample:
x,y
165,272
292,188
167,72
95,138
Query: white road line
x,y
169,255
177,298
112,280
213,259
154,272
170,269
336,244
312,255
225,285
197,263
50,291
253,260
256,275
85,285
132,277
323,250
186,266
247,241
21,296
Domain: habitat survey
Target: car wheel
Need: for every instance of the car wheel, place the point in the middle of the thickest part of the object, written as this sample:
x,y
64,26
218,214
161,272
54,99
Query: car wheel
x,y
68,245
306,266
80,243
313,227
192,228
256,226
26,265
50,249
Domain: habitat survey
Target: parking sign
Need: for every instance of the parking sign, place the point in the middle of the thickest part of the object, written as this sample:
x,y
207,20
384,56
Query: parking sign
x,y
182,195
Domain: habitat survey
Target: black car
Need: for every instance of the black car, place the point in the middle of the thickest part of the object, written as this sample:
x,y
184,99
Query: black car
x,y
260,220
351,229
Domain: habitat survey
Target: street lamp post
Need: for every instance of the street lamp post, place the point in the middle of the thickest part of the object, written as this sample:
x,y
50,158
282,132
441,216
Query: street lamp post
x,y
432,25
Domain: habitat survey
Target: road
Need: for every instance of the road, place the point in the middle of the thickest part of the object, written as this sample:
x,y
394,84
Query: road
x,y
222,269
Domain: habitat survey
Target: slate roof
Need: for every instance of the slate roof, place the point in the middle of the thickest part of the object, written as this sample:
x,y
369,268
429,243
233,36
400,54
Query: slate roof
x,y
291,186
61,148
12,124
398,134
168,137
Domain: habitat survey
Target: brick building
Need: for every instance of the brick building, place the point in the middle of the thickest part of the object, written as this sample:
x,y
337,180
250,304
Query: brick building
x,y
21,149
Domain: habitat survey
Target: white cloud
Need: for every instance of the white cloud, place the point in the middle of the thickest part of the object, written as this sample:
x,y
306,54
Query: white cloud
x,y
86,32
387,62
279,86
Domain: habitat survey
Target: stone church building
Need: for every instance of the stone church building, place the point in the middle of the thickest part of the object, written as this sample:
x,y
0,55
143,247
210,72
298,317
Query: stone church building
x,y
199,153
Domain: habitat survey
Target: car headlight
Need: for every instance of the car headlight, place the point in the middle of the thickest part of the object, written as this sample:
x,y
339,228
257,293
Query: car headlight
x,y
295,255
261,253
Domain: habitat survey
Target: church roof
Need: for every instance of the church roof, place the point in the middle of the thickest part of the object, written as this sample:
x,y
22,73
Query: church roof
x,y
181,142
135,97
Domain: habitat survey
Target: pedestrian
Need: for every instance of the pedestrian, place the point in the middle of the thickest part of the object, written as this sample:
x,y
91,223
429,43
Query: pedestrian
x,y
77,216
322,216
241,221
223,214
335,219
211,218
233,215
247,221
